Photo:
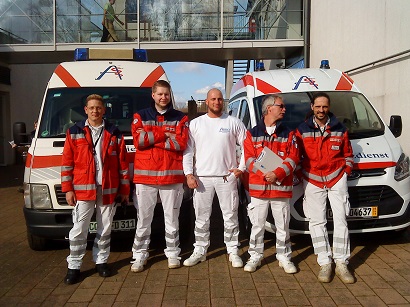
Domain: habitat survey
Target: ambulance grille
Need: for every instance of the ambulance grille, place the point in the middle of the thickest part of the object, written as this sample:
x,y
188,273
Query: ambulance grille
x,y
60,195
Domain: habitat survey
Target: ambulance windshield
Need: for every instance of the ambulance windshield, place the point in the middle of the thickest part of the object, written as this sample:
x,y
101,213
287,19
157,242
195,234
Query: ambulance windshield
x,y
65,106
350,108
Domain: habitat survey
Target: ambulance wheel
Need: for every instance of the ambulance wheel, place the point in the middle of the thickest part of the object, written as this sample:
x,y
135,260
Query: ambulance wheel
x,y
36,243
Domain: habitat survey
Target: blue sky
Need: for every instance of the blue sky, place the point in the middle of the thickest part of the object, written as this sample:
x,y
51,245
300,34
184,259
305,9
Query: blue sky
x,y
193,79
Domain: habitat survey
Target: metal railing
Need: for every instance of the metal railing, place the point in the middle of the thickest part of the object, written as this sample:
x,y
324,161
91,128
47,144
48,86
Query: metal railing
x,y
79,21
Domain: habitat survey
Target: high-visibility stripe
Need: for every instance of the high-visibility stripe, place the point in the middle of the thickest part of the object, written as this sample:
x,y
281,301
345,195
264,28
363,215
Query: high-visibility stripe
x,y
158,173
66,77
269,187
85,187
152,77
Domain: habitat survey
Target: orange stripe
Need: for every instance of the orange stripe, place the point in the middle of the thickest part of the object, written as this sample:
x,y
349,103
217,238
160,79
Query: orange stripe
x,y
28,160
46,161
265,87
345,83
66,77
153,76
370,165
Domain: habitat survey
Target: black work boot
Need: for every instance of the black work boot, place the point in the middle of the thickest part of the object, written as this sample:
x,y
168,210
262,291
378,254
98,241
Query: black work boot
x,y
72,277
103,269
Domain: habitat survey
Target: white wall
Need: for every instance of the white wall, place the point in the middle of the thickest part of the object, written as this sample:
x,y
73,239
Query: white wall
x,y
352,33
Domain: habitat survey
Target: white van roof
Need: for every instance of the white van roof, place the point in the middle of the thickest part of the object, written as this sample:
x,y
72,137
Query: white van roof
x,y
113,73
293,80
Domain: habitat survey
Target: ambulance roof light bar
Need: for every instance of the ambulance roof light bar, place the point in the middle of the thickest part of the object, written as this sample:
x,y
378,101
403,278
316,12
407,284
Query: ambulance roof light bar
x,y
324,64
86,54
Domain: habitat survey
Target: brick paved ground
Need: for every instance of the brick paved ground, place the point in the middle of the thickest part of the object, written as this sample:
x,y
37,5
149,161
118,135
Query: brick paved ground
x,y
381,265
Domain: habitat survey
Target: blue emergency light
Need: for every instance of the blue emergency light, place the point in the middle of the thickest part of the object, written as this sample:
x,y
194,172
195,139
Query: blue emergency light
x,y
85,54
324,64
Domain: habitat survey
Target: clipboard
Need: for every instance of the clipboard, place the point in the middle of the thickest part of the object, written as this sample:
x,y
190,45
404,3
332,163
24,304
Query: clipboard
x,y
267,161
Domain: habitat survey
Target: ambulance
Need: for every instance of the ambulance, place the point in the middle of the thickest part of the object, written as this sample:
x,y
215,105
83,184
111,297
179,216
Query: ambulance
x,y
124,79
379,185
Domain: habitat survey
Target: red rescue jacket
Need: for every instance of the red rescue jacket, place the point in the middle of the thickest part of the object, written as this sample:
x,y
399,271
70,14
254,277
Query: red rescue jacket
x,y
158,159
78,167
283,143
325,157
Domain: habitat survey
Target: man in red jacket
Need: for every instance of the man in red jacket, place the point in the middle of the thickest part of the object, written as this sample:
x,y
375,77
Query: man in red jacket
x,y
327,159
94,176
160,136
271,188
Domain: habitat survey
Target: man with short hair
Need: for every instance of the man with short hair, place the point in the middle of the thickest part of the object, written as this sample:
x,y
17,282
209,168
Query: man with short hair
x,y
211,166
94,176
160,135
272,188
327,159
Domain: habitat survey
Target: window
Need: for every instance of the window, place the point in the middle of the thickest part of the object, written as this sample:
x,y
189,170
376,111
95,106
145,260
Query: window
x,y
244,114
65,106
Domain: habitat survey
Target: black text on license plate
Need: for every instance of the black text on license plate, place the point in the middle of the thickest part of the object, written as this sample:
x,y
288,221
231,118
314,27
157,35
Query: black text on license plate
x,y
359,212
119,225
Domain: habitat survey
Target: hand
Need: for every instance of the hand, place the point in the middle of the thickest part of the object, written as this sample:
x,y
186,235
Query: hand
x,y
191,181
70,198
271,177
236,172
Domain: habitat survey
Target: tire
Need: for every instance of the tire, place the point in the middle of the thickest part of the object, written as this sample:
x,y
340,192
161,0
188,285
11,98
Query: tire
x,y
36,243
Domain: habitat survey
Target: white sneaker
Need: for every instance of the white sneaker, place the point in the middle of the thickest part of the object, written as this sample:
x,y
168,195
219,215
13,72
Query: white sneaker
x,y
252,264
325,273
194,259
235,260
138,265
174,263
343,272
288,267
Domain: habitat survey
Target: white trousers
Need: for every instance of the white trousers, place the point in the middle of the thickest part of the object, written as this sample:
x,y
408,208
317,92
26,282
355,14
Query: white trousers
x,y
314,207
147,195
257,212
227,191
82,214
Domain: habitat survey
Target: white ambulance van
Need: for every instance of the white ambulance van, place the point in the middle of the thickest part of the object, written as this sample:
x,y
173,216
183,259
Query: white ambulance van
x,y
124,79
379,186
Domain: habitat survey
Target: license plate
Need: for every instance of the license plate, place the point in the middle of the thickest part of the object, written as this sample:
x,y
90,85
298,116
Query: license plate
x,y
359,212
118,225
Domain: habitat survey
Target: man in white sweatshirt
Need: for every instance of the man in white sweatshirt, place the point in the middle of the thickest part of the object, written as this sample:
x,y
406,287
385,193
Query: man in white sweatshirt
x,y
213,138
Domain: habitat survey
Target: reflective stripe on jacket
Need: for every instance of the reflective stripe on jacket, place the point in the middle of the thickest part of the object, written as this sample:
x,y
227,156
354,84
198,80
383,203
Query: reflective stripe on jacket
x,y
78,167
283,143
325,157
158,159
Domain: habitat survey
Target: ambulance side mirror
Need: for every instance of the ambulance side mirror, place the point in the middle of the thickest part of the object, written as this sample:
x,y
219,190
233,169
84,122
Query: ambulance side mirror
x,y
395,125
20,135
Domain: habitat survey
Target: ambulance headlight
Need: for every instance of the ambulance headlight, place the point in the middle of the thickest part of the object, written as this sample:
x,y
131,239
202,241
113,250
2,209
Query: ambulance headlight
x,y
402,168
37,196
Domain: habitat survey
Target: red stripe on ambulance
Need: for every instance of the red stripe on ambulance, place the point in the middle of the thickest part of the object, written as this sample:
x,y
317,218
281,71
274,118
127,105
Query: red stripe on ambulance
x,y
153,76
46,161
373,165
66,77
345,83
265,87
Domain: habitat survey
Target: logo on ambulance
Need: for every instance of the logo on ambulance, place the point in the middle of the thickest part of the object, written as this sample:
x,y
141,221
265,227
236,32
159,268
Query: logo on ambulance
x,y
112,69
305,80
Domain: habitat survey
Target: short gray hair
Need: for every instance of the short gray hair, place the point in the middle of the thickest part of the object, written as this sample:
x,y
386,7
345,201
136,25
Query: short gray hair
x,y
269,100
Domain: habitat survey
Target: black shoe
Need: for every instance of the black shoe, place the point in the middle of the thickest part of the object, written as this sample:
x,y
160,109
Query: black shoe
x,y
72,277
103,270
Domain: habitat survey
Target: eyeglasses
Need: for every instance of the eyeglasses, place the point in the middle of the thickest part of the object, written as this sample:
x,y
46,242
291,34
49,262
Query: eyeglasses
x,y
282,106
